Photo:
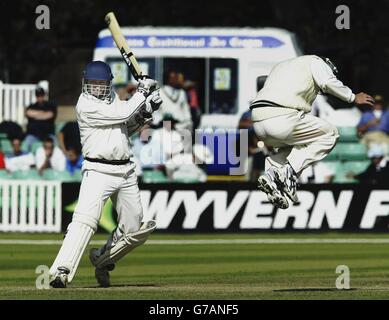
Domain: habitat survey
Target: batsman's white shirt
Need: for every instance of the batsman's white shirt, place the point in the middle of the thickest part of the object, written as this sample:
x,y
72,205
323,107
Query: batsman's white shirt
x,y
103,130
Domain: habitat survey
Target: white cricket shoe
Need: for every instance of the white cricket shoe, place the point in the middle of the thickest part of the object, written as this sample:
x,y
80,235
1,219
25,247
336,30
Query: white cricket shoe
x,y
268,185
101,274
60,278
287,179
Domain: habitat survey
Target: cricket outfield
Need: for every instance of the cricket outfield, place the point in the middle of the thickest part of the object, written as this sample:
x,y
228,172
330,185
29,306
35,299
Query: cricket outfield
x,y
217,266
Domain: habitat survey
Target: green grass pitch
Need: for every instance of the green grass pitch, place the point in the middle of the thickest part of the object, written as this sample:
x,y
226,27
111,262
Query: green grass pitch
x,y
212,270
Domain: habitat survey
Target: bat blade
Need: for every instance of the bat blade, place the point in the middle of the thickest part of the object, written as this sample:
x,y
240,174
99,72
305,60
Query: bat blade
x,y
122,45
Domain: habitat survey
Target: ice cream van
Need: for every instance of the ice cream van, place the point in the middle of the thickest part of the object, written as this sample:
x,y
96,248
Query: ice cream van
x,y
226,64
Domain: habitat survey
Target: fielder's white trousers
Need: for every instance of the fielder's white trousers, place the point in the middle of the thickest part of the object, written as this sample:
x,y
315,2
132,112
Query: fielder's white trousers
x,y
301,138
96,188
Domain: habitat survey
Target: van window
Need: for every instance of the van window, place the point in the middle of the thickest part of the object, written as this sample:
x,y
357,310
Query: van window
x,y
191,76
223,86
122,74
213,81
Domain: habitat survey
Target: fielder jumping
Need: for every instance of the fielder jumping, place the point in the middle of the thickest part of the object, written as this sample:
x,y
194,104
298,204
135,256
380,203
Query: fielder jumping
x,y
106,123
282,120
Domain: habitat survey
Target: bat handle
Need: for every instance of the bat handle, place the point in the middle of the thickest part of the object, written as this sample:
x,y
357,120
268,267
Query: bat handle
x,y
142,76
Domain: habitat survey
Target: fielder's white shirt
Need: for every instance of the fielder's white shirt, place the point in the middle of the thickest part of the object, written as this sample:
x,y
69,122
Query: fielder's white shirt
x,y
327,81
305,75
104,132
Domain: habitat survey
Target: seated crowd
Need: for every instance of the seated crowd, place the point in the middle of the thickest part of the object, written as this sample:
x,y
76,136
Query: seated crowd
x,y
163,152
38,148
163,149
372,131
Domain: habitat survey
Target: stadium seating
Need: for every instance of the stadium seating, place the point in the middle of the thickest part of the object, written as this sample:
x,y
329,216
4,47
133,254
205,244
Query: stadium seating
x,y
48,174
6,146
4,174
154,177
27,175
348,151
351,151
343,168
64,176
348,134
349,155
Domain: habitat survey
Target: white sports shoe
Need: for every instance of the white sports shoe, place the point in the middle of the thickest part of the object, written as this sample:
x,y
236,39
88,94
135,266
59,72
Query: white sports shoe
x,y
60,278
287,179
268,185
101,274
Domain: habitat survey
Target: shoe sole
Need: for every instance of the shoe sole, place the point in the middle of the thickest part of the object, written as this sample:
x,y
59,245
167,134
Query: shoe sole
x,y
274,197
280,179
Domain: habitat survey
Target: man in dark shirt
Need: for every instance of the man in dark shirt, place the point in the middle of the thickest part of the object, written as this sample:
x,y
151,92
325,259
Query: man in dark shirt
x,y
41,118
378,170
69,136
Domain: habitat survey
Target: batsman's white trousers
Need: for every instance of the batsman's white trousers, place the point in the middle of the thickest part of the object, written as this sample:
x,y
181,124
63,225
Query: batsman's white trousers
x,y
301,138
96,188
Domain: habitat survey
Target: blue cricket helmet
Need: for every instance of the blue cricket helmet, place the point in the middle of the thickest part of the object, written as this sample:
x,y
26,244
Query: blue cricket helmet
x,y
100,71
97,70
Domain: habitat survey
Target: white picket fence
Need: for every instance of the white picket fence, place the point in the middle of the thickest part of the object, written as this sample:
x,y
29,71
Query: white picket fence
x,y
30,206
14,98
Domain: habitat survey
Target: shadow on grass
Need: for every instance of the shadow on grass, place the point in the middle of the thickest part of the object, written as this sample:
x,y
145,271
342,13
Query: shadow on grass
x,y
312,290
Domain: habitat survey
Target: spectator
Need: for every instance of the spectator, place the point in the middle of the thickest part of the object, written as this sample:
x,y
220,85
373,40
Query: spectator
x,y
18,159
147,151
374,124
2,160
50,157
74,159
11,129
256,160
153,148
167,138
189,166
41,119
176,104
193,101
378,170
69,136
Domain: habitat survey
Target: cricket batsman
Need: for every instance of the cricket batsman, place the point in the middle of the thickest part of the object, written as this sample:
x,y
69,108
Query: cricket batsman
x,y
282,119
106,123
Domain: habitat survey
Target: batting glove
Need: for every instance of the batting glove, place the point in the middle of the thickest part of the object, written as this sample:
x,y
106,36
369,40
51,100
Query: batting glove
x,y
146,86
153,101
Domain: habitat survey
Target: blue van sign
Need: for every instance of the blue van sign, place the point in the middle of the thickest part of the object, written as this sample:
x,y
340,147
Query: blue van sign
x,y
192,42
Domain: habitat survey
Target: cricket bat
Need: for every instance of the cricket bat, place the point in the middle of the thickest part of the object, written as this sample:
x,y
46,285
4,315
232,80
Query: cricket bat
x,y
122,45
